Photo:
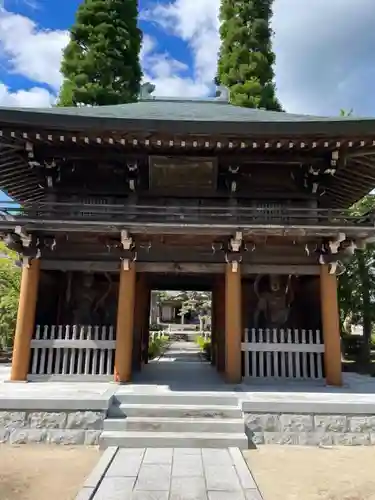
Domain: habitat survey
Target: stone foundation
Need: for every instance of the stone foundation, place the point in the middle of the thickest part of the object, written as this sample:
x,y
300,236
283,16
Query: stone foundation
x,y
310,429
62,427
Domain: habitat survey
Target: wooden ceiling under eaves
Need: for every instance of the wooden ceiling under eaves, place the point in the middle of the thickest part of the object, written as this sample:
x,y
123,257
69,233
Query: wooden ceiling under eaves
x,y
354,177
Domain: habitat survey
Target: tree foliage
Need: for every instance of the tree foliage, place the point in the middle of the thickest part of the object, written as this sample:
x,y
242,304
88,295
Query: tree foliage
x,y
101,62
198,303
357,288
10,277
246,58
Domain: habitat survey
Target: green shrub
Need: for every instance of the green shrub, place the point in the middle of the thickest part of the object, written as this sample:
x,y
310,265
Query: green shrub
x,y
200,341
157,346
205,346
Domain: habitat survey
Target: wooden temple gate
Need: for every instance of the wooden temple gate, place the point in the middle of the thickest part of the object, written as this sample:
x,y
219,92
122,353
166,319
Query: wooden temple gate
x,y
243,195
94,352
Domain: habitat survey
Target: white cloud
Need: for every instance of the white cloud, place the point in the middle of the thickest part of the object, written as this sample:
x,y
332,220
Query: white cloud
x,y
36,97
31,51
167,74
324,53
198,27
324,49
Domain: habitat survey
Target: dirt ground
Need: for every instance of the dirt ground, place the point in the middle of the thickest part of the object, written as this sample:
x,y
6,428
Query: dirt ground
x,y
307,473
44,472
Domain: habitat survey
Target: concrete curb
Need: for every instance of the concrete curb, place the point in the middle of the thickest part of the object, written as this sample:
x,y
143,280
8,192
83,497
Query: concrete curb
x,y
92,483
246,478
309,407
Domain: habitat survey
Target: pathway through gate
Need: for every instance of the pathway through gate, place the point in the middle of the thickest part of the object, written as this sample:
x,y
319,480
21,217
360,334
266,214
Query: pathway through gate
x,y
171,474
181,368
178,435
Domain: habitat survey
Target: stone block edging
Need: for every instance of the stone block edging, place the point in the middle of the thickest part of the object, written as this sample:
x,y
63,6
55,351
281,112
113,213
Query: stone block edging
x,y
51,427
245,476
315,429
92,483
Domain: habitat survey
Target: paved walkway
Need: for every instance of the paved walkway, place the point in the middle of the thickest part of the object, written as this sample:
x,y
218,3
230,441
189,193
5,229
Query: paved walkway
x,y
177,474
181,368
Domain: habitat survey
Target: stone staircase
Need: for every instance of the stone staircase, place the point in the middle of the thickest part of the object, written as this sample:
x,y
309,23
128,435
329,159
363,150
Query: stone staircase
x,y
174,420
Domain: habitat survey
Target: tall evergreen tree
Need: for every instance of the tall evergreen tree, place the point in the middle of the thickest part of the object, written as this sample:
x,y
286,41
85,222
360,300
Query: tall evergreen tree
x,y
101,62
246,59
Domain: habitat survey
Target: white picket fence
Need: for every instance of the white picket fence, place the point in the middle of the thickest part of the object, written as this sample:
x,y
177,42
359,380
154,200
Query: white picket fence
x,y
174,331
72,352
283,354
156,335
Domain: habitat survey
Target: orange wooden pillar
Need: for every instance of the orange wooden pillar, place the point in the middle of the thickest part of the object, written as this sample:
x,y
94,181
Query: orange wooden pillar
x,y
233,323
331,326
125,322
25,321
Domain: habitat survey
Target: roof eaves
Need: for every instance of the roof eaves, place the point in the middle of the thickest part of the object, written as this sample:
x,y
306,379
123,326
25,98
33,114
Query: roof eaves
x,y
293,125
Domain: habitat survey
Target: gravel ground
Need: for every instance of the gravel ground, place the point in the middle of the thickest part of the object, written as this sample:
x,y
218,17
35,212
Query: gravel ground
x,y
307,473
44,472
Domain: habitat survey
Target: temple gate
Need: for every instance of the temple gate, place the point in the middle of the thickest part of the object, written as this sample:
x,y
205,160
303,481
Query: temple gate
x,y
249,204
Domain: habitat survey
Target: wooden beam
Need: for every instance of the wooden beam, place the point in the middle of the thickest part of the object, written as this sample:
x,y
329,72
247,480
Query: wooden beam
x,y
183,268
109,153
187,253
285,269
247,269
180,268
213,229
81,265
363,152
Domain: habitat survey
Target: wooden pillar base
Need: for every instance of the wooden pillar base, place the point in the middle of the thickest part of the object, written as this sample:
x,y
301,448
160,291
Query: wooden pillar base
x,y
233,323
25,321
331,327
125,323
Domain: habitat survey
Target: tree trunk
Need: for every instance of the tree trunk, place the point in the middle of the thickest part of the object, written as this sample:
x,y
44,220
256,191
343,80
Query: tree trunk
x,y
366,314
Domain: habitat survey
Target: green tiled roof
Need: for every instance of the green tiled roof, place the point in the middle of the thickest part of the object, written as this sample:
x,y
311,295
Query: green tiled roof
x,y
185,116
179,110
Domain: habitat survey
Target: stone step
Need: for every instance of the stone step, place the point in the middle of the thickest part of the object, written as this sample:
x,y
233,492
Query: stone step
x,y
165,424
177,398
126,439
173,411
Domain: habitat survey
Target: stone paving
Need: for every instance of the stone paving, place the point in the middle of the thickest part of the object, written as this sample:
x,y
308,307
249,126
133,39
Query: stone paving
x,y
181,367
178,474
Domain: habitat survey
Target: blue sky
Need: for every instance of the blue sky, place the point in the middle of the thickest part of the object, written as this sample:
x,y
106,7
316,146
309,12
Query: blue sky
x,y
325,51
